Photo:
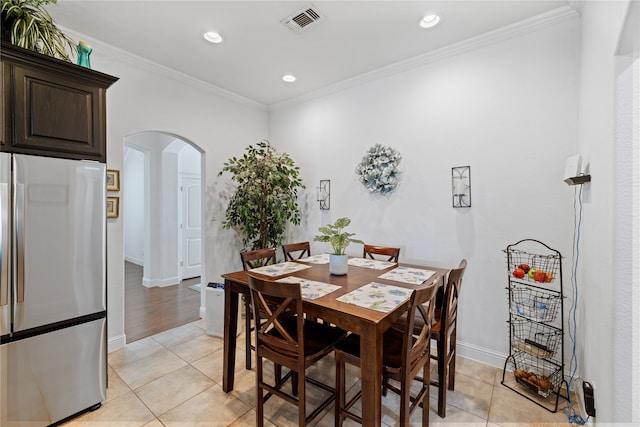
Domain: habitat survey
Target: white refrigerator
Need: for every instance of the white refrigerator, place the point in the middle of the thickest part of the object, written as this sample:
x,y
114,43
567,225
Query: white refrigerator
x,y
52,289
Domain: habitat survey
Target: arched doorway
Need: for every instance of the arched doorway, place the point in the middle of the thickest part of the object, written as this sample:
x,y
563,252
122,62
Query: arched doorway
x,y
162,215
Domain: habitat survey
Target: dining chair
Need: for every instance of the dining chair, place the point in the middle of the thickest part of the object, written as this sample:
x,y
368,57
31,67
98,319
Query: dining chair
x,y
295,251
405,352
444,333
253,259
393,254
286,338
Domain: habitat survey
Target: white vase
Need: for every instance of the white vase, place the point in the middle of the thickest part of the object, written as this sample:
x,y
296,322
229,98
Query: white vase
x,y
338,264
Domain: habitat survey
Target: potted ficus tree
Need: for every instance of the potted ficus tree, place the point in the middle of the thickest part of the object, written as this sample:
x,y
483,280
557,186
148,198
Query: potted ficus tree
x,y
266,198
27,24
340,240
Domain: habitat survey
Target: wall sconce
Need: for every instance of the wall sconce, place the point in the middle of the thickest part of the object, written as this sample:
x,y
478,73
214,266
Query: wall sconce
x,y
324,194
461,186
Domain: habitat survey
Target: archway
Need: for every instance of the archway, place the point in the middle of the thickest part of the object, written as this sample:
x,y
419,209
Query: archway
x,y
162,217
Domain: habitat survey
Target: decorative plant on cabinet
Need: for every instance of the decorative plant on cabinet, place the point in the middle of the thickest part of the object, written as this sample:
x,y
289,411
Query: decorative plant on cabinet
x,y
28,25
266,198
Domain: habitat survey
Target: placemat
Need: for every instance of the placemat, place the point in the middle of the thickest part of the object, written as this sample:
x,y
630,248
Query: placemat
x,y
377,296
414,276
310,289
371,263
280,269
316,259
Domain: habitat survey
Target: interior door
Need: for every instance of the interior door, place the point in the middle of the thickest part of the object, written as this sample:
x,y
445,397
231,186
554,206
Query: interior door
x,y
191,227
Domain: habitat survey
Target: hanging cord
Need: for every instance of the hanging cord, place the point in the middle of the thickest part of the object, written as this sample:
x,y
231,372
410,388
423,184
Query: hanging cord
x,y
574,418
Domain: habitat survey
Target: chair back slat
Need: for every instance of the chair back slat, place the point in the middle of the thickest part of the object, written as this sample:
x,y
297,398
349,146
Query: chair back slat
x,y
392,254
451,297
257,258
417,337
274,303
295,251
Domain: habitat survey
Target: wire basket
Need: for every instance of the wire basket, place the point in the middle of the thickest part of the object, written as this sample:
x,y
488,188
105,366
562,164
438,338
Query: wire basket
x,y
533,304
535,339
547,267
538,375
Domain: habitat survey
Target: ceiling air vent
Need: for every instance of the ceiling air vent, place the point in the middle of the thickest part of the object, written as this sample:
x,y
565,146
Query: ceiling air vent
x,y
302,19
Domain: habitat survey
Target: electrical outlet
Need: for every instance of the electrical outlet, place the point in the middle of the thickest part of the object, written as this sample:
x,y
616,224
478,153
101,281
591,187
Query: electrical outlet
x,y
589,399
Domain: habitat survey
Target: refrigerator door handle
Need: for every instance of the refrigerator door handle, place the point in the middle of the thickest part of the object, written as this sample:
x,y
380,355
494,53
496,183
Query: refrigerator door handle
x,y
4,244
19,233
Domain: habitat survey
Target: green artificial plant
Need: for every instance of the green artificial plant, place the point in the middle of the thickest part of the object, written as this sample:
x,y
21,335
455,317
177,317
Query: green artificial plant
x,y
266,198
32,28
334,234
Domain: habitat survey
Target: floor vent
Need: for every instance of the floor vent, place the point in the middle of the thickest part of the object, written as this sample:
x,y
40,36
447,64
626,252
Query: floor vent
x,y
303,18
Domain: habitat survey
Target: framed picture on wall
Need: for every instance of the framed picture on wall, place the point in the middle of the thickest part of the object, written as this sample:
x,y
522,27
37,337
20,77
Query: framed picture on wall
x,y
113,180
113,206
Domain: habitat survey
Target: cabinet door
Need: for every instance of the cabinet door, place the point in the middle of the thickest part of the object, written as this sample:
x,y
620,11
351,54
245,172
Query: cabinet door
x,y
56,115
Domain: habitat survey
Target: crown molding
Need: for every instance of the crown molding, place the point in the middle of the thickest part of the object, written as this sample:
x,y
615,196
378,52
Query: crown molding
x,y
526,26
136,61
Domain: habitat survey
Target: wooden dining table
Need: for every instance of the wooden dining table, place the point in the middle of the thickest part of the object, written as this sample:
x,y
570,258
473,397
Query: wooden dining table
x,y
368,323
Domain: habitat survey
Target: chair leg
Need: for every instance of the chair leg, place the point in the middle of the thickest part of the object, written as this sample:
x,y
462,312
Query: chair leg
x,y
442,377
426,381
247,329
452,363
260,399
302,399
405,401
340,390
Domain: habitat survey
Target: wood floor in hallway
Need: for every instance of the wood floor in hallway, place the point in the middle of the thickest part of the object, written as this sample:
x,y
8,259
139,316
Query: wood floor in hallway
x,y
149,311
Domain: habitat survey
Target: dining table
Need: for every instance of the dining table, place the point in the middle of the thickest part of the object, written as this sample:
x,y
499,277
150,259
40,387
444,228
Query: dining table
x,y
347,303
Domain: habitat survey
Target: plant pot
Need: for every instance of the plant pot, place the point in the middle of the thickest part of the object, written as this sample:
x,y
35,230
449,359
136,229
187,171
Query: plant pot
x,y
338,264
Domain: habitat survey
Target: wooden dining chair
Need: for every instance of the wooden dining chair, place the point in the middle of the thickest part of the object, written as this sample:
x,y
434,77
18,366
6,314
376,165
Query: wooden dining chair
x,y
392,254
295,251
288,339
405,352
444,333
253,259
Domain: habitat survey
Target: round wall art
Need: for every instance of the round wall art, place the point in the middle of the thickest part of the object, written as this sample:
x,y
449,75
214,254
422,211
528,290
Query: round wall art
x,y
378,169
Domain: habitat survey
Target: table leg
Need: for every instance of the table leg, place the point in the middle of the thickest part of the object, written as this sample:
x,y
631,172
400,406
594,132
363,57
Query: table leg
x,y
371,372
230,328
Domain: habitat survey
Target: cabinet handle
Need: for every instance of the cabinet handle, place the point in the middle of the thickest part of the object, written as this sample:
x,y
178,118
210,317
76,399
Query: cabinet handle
x,y
4,244
19,233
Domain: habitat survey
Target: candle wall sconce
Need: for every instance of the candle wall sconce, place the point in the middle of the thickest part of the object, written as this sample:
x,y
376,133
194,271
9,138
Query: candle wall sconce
x,y
324,194
461,186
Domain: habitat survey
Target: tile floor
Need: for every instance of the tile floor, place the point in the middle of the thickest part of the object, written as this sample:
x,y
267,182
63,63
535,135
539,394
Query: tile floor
x,y
174,379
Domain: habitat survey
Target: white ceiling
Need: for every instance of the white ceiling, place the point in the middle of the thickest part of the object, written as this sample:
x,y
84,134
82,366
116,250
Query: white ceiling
x,y
354,38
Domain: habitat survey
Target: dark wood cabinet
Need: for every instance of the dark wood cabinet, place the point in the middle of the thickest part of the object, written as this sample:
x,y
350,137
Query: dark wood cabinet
x,y
52,107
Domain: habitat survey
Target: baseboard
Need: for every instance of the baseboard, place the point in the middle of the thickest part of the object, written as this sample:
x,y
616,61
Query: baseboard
x,y
135,261
481,354
116,343
170,281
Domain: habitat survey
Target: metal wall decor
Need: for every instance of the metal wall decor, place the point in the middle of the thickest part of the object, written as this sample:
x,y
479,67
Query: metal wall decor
x,y
378,170
324,194
461,186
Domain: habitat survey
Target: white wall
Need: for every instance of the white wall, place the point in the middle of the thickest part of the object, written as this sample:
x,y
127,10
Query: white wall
x,y
148,97
132,177
509,110
605,332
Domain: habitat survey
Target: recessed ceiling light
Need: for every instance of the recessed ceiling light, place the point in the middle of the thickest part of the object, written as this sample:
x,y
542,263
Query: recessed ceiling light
x,y
289,78
212,37
430,20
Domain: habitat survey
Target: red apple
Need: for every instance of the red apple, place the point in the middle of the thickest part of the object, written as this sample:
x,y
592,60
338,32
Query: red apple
x,y
519,273
524,267
540,276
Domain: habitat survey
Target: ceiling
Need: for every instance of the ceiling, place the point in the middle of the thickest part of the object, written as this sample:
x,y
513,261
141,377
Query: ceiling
x,y
351,39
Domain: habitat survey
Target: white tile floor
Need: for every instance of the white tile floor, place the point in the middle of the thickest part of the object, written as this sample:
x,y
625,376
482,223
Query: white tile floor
x,y
174,379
